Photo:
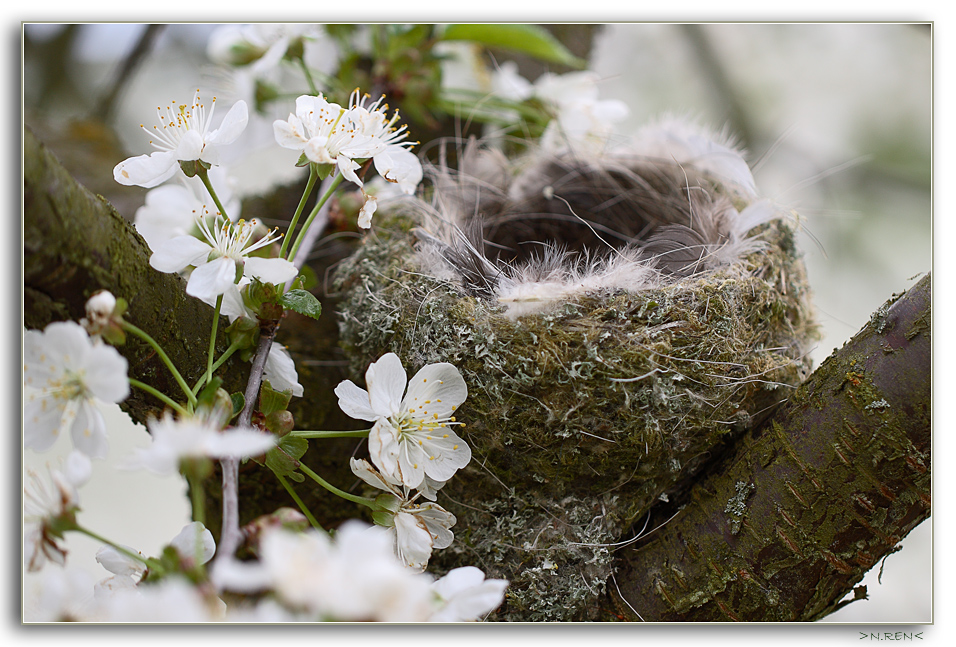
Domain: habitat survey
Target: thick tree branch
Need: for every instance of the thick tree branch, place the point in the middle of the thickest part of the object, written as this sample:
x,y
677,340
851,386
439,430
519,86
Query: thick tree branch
x,y
804,506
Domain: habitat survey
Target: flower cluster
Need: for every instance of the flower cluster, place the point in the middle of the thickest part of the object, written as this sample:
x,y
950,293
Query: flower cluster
x,y
412,445
331,136
356,578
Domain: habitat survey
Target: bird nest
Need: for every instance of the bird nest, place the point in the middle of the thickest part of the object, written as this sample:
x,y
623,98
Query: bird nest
x,y
616,319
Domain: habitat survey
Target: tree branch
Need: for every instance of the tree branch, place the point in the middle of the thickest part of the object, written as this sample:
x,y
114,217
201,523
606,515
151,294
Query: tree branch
x,y
806,504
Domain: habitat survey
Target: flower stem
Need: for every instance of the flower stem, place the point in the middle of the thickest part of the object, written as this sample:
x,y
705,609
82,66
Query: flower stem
x,y
305,433
315,210
313,176
370,503
215,367
298,502
204,176
130,328
212,340
198,495
150,563
308,76
180,409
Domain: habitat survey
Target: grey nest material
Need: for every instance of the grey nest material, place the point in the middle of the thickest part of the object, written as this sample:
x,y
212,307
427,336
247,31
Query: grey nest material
x,y
617,318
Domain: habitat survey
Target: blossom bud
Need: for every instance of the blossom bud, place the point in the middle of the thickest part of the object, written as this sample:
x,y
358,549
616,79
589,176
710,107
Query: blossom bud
x,y
104,317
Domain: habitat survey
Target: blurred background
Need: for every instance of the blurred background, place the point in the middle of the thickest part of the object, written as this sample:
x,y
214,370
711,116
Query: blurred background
x,y
836,119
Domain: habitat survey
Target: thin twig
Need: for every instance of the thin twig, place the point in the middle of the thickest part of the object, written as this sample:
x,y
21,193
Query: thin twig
x,y
231,536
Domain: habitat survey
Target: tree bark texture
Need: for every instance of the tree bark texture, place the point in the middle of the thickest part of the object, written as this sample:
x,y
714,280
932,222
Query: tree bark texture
x,y
802,507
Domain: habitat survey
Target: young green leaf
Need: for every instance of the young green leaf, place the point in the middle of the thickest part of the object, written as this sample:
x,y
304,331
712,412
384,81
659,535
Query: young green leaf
x,y
302,302
527,39
283,458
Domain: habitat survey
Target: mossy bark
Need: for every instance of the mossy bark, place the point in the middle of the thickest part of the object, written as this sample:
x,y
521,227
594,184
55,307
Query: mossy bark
x,y
792,519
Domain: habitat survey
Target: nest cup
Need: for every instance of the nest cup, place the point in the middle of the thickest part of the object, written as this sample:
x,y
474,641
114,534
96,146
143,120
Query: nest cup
x,y
616,318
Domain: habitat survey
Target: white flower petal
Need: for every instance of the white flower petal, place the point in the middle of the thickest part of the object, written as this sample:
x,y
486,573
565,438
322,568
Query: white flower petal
x,y
179,253
119,563
385,450
368,209
386,381
354,401
270,270
280,371
186,542
291,133
467,595
438,389
106,375
190,147
89,431
41,417
237,443
232,125
413,543
210,280
347,167
146,170
362,469
398,164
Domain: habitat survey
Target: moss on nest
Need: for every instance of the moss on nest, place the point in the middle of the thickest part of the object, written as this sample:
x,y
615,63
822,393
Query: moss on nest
x,y
582,416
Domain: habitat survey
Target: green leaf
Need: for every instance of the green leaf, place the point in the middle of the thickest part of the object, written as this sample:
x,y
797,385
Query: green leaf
x,y
283,459
271,400
302,302
528,39
238,402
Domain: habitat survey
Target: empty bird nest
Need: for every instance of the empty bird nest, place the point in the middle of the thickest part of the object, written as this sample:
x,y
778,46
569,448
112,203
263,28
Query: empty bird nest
x,y
616,316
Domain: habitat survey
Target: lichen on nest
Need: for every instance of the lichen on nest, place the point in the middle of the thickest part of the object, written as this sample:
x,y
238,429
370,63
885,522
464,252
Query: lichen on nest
x,y
581,414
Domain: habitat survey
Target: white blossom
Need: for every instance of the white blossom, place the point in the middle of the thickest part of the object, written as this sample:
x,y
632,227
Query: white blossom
x,y
507,83
325,133
394,162
416,529
222,259
171,210
172,599
43,506
71,374
411,437
194,437
194,543
466,595
356,577
184,133
62,595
